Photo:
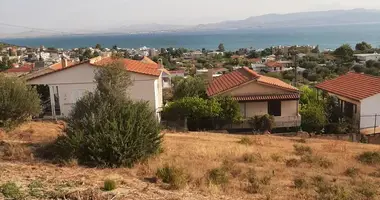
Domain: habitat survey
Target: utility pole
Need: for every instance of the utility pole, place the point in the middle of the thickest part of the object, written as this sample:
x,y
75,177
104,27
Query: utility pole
x,y
295,64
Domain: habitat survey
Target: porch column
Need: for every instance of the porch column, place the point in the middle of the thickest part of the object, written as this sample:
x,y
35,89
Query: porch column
x,y
52,101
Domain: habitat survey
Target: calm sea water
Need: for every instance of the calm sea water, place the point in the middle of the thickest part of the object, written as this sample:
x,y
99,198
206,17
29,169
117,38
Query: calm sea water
x,y
325,37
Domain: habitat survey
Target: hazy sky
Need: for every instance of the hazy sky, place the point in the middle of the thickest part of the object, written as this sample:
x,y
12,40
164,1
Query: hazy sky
x,y
72,15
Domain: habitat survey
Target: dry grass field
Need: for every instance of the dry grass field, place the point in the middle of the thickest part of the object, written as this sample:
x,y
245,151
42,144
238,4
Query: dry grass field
x,y
198,166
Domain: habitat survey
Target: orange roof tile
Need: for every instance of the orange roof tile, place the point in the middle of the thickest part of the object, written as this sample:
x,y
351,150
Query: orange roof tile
x,y
273,64
293,96
352,85
26,68
241,76
133,66
58,65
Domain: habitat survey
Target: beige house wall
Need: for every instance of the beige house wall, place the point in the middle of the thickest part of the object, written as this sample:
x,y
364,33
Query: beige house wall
x,y
74,82
254,88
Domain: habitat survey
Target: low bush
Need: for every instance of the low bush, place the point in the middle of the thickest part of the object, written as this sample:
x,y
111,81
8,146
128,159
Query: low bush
x,y
262,123
11,190
330,191
302,140
276,157
175,177
300,183
245,141
109,185
302,150
253,185
292,162
16,151
36,189
249,158
369,158
218,176
106,128
352,172
316,160
367,190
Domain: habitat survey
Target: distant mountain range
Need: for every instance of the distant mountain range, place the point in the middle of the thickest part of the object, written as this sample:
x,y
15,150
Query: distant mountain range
x,y
301,19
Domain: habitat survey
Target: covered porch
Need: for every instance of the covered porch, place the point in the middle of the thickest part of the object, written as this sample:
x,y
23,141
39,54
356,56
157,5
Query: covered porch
x,y
50,101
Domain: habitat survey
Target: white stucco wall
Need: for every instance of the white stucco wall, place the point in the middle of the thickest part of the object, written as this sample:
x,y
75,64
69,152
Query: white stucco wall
x,y
74,82
370,106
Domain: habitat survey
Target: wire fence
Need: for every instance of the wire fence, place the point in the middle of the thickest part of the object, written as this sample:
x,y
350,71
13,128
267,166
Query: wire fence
x,y
370,124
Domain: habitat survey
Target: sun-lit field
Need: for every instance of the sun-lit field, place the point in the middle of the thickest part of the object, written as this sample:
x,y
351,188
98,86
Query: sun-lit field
x,y
212,166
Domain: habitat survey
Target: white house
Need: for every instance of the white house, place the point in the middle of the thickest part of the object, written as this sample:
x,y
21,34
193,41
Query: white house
x,y
359,97
69,84
366,57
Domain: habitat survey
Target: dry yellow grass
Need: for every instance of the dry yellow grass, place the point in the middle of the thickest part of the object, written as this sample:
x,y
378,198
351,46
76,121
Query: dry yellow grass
x,y
197,154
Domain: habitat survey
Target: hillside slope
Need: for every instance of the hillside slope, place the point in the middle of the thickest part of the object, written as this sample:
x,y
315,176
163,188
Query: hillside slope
x,y
252,167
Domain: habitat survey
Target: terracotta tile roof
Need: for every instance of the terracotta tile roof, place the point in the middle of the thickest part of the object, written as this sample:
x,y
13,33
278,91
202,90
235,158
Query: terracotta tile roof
x,y
274,64
134,66
352,85
275,82
58,65
23,69
293,96
240,76
148,60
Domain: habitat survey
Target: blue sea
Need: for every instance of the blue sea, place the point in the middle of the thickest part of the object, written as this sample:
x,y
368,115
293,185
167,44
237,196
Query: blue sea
x,y
324,36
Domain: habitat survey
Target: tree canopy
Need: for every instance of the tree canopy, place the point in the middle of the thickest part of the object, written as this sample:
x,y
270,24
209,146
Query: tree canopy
x,y
344,52
363,46
221,47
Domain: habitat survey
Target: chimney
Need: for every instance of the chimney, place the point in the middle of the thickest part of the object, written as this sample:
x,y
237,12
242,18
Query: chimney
x,y
63,62
210,74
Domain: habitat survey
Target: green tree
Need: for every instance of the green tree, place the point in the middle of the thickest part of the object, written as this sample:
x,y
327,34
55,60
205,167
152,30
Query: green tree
x,y
253,54
190,87
363,46
221,47
106,128
266,52
370,63
230,109
196,110
308,95
344,52
114,47
313,118
315,50
18,101
98,46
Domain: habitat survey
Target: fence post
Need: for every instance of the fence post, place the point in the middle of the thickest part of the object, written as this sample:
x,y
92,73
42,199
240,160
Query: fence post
x,y
374,127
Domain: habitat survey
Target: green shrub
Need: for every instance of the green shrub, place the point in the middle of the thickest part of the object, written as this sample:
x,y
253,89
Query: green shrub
x,y
324,162
369,158
293,162
300,183
328,191
302,150
18,101
107,129
11,190
218,176
175,177
109,185
351,172
313,118
262,123
246,141
36,189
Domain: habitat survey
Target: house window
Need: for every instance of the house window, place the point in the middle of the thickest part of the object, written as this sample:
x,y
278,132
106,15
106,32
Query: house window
x,y
274,108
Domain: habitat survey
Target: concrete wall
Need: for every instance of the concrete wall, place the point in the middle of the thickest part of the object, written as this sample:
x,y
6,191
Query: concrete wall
x,y
74,82
370,106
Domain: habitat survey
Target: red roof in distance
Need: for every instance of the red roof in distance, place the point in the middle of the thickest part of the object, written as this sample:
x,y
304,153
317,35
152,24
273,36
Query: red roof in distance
x,y
352,85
